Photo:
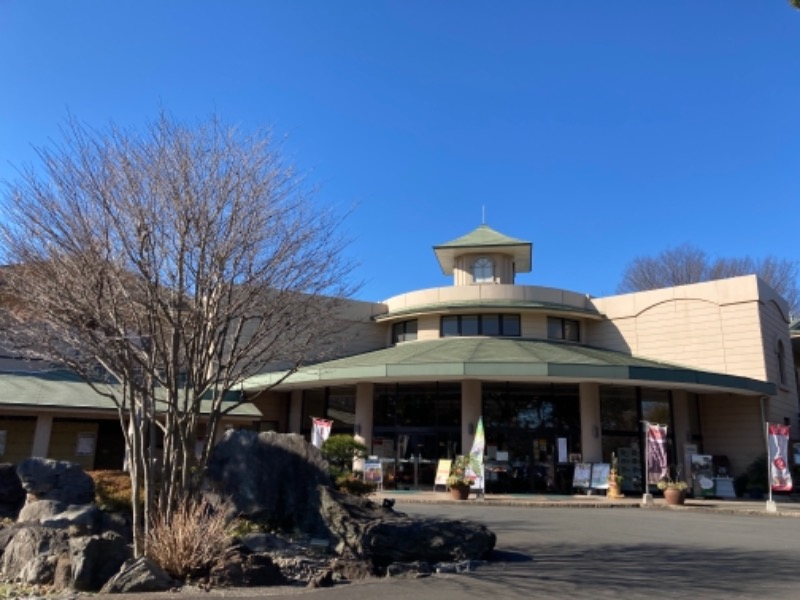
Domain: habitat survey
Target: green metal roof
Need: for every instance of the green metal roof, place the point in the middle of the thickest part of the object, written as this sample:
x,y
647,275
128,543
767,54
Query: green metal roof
x,y
485,238
504,358
65,390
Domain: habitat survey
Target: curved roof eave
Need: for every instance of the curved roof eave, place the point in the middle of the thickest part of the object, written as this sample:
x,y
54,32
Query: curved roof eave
x,y
477,305
526,360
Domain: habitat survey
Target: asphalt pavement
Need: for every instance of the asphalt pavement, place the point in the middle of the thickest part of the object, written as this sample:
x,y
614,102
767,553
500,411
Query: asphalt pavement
x,y
783,505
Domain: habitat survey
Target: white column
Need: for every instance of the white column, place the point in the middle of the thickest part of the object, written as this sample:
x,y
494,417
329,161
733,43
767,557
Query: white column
x,y
680,420
471,406
591,428
41,436
364,408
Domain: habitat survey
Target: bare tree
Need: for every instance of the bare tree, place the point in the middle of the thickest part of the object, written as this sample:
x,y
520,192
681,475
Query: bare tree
x,y
688,264
165,266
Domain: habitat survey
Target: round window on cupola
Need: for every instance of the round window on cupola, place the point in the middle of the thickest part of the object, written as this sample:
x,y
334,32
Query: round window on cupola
x,y
483,270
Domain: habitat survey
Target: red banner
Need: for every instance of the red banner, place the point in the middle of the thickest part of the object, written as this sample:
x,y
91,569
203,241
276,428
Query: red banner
x,y
320,431
657,466
780,476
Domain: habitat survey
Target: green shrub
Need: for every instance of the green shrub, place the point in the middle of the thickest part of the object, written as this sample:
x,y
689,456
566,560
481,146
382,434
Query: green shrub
x,y
349,483
340,451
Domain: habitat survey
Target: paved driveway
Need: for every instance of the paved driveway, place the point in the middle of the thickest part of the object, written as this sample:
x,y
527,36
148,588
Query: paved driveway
x,y
601,553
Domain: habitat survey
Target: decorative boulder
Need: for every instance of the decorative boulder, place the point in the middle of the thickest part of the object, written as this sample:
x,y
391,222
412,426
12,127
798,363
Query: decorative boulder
x,y
384,536
96,559
32,553
62,481
272,477
139,576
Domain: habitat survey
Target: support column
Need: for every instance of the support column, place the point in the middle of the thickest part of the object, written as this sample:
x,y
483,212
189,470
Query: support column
x,y
680,420
364,408
41,436
471,407
591,428
295,411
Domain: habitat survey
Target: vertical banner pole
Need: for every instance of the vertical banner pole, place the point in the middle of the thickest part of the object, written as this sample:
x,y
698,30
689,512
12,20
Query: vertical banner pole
x,y
771,506
647,497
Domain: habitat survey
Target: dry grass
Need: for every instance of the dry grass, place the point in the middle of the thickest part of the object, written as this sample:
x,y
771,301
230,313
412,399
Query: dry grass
x,y
191,540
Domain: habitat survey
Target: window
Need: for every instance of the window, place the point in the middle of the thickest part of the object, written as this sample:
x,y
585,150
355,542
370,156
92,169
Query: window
x,y
483,271
781,357
491,325
404,331
563,329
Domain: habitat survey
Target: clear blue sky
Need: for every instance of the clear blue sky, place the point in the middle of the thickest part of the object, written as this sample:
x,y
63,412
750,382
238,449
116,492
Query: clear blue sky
x,y
600,131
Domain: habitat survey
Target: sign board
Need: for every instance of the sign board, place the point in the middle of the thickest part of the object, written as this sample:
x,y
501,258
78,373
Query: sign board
x,y
442,472
582,477
600,472
703,475
373,472
84,445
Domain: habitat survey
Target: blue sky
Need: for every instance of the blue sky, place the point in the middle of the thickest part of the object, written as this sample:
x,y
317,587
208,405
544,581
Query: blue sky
x,y
598,131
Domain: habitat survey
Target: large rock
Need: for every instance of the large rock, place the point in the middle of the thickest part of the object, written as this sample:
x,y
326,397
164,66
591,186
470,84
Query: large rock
x,y
96,559
12,495
36,511
139,576
272,477
384,536
62,481
242,568
32,553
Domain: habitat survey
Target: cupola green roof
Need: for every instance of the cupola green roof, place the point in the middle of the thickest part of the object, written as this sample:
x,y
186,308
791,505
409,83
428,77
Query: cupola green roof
x,y
484,238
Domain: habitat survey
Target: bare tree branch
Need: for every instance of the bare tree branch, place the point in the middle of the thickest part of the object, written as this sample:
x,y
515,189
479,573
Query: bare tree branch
x,y
174,262
688,264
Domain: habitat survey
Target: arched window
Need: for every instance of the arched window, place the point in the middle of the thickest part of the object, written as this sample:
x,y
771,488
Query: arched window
x,y
483,270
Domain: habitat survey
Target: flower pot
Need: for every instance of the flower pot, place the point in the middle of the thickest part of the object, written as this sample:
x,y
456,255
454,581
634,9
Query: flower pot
x,y
674,496
459,492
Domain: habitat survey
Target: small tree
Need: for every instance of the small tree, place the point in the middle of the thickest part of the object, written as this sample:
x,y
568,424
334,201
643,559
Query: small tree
x,y
164,267
340,451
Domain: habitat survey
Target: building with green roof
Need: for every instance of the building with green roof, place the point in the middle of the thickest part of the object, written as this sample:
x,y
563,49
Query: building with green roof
x,y
557,377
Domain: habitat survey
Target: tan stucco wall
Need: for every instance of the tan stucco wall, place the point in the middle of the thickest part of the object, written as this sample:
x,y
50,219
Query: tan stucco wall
x,y
64,440
475,293
726,413
503,268
19,439
714,326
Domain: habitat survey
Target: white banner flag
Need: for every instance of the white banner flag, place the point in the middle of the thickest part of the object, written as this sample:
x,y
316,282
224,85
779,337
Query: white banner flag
x,y
320,431
780,476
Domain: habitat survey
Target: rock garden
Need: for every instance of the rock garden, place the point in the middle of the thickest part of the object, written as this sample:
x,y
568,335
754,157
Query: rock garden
x,y
270,515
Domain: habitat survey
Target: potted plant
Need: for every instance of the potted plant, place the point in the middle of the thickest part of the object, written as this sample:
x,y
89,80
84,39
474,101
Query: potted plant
x,y
460,480
674,490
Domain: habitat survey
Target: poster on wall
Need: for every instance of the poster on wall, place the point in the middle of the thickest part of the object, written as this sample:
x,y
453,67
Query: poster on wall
x,y
600,472
442,472
85,444
373,473
582,477
703,475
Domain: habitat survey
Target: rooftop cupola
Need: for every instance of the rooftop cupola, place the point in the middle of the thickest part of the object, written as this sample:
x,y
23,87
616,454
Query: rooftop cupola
x,y
484,256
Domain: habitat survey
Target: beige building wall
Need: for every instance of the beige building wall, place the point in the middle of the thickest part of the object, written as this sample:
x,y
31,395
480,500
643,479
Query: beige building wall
x,y
74,441
723,413
18,439
714,326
